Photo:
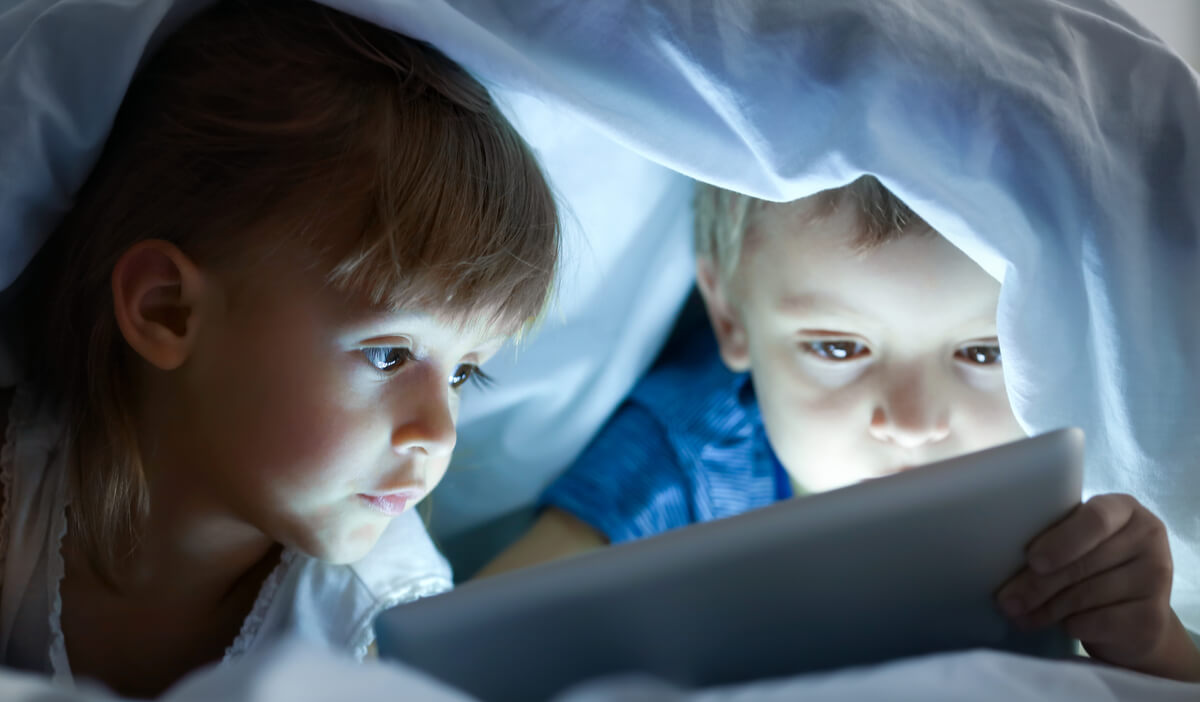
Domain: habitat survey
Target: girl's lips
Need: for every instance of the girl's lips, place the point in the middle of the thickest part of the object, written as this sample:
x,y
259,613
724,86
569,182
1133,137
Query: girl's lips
x,y
391,504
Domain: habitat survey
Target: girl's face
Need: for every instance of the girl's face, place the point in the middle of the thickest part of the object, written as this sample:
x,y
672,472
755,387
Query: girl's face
x,y
317,420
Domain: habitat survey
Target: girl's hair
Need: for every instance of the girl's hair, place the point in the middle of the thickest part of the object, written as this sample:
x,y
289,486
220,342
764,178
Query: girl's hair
x,y
367,153
725,220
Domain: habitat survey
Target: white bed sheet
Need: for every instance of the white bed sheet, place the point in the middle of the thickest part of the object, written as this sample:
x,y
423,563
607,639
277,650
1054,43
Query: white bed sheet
x,y
297,672
1055,141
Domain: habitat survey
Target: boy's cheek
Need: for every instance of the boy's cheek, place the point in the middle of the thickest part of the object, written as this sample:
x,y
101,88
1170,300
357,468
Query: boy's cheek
x,y
792,409
985,421
799,389
823,455
781,362
809,426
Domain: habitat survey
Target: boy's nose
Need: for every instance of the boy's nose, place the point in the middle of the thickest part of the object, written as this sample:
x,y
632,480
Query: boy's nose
x,y
911,415
426,421
908,434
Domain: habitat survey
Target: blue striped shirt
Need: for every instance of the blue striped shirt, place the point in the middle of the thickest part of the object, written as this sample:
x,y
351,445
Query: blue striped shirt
x,y
686,446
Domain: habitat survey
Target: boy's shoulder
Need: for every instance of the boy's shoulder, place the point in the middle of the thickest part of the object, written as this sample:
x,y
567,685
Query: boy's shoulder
x,y
686,446
689,367
692,395
688,376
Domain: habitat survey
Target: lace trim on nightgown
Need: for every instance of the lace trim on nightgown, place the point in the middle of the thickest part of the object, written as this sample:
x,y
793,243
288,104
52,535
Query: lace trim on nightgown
x,y
17,413
258,614
58,650
422,587
20,416
57,568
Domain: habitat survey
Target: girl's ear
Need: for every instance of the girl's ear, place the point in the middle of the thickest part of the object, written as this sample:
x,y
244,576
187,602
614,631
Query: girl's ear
x,y
726,318
157,294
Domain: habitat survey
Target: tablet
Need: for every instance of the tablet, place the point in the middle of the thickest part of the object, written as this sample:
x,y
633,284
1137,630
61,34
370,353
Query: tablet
x,y
889,568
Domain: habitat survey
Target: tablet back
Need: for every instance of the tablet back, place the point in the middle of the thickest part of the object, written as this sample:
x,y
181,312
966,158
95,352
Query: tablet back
x,y
900,566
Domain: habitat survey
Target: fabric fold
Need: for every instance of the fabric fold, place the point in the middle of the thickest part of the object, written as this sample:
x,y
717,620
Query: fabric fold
x,y
1056,142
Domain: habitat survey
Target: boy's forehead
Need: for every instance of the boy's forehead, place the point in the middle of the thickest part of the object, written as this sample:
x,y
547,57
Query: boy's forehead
x,y
769,219
809,215
912,278
785,236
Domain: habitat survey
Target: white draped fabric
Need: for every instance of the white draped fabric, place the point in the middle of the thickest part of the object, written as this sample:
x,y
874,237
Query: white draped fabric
x,y
1057,142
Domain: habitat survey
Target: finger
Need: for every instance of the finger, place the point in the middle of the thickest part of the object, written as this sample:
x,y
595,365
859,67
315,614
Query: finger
x,y
1089,525
1125,583
1121,630
1029,590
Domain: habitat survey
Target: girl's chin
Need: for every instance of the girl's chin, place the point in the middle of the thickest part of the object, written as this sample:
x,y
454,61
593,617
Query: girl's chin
x,y
350,548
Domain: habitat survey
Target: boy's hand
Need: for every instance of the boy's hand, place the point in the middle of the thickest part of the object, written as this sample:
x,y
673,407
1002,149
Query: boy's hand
x,y
1104,572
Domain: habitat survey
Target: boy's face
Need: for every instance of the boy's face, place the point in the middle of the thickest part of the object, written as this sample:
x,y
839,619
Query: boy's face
x,y
865,364
317,420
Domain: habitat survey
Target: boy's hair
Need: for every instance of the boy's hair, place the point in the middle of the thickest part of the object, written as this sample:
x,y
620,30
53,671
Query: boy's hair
x,y
725,220
371,155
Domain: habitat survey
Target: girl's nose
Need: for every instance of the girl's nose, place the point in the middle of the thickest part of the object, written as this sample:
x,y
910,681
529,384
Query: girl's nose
x,y
426,419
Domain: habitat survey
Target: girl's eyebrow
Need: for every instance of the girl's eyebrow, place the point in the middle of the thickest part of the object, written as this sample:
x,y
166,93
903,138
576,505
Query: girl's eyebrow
x,y
378,330
382,322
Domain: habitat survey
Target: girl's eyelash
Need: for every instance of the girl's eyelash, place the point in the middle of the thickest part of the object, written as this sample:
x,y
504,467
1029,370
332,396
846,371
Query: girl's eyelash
x,y
473,374
482,380
387,359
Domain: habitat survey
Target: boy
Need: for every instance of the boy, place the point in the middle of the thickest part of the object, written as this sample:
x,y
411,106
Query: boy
x,y
851,341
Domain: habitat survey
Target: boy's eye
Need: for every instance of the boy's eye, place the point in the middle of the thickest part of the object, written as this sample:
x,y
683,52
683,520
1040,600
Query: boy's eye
x,y
979,354
469,371
836,350
387,359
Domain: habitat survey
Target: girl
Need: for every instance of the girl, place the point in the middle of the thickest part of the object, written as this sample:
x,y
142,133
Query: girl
x,y
246,345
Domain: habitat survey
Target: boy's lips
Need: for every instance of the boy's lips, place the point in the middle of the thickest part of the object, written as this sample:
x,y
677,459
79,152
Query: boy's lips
x,y
392,503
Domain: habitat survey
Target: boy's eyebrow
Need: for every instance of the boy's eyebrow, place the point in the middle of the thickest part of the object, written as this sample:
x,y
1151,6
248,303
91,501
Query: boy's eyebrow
x,y
808,303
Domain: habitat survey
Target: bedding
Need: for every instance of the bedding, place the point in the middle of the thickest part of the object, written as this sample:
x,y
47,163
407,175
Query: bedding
x,y
298,672
1054,141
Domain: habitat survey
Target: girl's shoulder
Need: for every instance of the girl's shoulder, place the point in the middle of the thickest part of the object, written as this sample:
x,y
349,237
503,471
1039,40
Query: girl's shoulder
x,y
6,396
6,399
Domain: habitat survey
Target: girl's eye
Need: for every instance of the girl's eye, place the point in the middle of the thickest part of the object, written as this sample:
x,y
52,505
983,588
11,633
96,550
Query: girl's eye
x,y
836,351
979,354
469,371
387,359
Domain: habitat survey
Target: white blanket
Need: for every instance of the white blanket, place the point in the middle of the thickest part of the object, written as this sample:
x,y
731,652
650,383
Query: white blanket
x,y
1055,141
297,672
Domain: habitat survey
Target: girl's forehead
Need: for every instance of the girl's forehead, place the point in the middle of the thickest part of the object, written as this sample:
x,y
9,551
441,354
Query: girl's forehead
x,y
374,296
375,322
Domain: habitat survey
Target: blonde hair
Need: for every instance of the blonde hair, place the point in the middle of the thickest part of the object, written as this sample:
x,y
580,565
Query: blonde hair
x,y
726,220
371,154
